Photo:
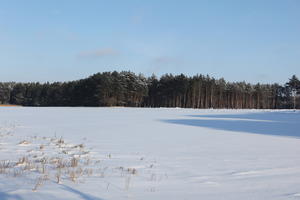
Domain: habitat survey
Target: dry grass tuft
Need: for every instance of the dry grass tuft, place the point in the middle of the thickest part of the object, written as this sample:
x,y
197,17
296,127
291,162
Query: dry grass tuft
x,y
74,162
4,165
64,162
39,182
132,171
60,141
24,142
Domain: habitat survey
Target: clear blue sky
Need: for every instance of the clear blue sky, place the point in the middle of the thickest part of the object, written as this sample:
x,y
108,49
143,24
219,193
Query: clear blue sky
x,y
56,40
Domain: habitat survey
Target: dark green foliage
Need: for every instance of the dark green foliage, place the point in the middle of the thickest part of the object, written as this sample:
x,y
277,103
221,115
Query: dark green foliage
x,y
128,89
5,91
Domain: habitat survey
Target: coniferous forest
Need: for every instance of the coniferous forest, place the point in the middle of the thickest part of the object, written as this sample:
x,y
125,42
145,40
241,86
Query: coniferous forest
x,y
129,89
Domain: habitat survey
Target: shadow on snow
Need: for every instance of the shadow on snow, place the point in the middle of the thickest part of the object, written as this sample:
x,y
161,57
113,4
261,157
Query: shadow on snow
x,y
82,195
6,196
282,123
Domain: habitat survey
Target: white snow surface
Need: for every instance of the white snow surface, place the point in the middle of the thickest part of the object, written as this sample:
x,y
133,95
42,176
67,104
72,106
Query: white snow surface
x,y
154,153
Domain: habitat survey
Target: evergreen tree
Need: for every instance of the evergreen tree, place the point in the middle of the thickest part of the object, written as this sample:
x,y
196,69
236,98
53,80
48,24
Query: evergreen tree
x,y
128,89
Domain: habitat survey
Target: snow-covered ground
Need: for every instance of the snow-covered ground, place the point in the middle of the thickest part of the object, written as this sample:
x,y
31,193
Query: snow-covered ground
x,y
143,153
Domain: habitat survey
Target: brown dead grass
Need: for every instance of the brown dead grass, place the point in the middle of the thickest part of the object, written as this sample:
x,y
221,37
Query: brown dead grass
x,y
8,105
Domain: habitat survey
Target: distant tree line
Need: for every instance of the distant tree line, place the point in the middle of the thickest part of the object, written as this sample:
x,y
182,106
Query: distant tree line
x,y
128,89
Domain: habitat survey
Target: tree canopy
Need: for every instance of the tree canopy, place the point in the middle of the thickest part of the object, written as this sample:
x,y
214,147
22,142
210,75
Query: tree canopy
x,y
129,89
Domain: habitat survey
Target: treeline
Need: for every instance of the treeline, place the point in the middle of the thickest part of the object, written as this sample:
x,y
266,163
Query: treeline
x,y
129,89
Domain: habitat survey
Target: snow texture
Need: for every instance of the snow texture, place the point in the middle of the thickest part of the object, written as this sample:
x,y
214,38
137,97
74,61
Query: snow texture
x,y
149,153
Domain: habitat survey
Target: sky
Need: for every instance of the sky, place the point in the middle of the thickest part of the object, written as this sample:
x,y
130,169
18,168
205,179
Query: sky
x,y
62,40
